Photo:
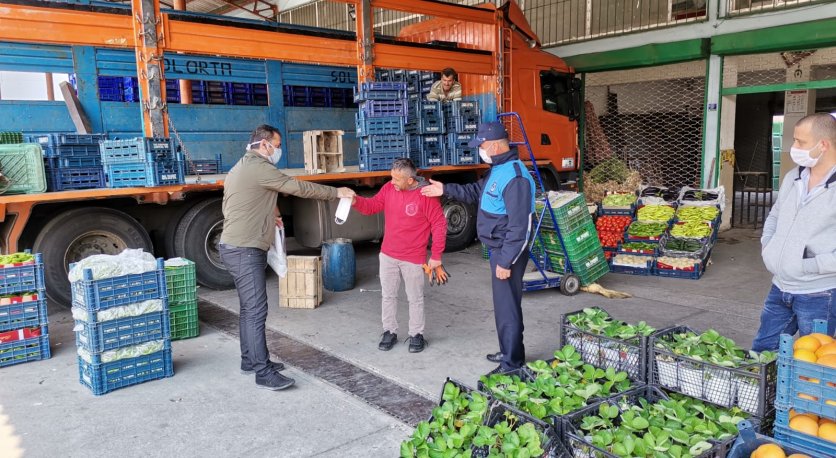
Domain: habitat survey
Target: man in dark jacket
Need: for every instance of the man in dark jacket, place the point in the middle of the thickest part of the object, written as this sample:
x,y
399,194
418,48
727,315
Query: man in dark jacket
x,y
506,204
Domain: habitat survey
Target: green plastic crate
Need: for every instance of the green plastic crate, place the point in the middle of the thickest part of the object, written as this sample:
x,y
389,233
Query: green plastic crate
x,y
181,283
183,320
7,138
23,166
589,267
578,242
570,216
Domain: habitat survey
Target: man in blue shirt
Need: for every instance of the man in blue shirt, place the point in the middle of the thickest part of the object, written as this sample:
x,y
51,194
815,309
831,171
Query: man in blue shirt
x,y
506,204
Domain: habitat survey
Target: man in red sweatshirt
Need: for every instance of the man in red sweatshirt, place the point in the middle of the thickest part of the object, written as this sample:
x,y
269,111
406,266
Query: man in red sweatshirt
x,y
410,218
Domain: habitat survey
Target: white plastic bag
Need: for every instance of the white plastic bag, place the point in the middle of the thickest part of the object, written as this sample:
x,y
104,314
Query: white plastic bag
x,y
276,256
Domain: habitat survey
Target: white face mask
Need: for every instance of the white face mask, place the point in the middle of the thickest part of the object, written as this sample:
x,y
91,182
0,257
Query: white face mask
x,y
484,155
274,158
803,157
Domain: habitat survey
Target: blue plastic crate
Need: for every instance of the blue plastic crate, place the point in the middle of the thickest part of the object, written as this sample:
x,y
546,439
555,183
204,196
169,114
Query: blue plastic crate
x,y
398,86
370,162
147,174
137,149
23,278
81,161
111,89
420,108
467,108
380,144
95,295
427,159
790,383
131,89
633,270
96,337
105,377
21,351
815,445
425,126
378,94
320,97
68,151
696,274
69,178
748,441
383,108
433,144
51,140
390,125
459,140
24,314
462,124
462,156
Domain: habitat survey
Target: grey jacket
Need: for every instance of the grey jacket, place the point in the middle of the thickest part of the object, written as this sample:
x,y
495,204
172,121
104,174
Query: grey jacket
x,y
799,242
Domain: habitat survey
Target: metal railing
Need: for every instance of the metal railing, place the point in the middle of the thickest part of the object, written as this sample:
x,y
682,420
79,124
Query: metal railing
x,y
741,7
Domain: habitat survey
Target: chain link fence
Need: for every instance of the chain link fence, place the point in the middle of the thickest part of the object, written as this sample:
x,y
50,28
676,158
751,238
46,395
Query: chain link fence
x,y
640,128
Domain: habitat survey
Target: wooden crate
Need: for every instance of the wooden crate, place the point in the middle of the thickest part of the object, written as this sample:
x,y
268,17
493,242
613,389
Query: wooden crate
x,y
323,151
301,288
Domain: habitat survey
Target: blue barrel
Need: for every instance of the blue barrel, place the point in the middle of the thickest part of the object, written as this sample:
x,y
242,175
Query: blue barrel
x,y
339,268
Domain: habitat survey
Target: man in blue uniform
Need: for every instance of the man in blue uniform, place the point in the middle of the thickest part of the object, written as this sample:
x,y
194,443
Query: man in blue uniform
x,y
506,205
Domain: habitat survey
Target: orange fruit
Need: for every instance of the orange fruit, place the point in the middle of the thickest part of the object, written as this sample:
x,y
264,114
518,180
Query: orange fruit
x,y
806,343
824,421
808,379
823,339
805,355
805,424
828,432
807,397
826,349
768,451
827,360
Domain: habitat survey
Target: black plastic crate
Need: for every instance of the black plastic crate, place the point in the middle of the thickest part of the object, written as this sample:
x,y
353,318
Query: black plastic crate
x,y
575,440
370,162
751,387
551,444
468,108
426,126
205,166
628,355
462,156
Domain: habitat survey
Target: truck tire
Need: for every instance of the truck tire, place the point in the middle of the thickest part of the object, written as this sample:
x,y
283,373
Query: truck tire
x,y
196,238
75,234
461,224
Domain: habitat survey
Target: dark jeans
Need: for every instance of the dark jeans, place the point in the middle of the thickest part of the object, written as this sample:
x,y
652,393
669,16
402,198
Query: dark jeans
x,y
247,266
507,310
786,313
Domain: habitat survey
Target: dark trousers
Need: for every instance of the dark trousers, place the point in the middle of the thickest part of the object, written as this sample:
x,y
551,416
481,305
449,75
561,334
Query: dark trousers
x,y
247,266
507,309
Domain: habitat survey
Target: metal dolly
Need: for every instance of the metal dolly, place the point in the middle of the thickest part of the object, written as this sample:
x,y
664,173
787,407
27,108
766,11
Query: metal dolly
x,y
568,283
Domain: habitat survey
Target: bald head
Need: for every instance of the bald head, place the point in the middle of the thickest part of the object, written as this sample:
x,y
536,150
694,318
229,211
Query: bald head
x,y
822,126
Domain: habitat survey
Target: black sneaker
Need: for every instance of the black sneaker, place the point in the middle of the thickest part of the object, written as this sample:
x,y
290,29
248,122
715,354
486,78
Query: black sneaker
x,y
274,382
387,341
275,366
417,343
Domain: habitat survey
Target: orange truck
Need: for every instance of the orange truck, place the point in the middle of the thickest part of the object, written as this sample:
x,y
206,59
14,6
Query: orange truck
x,y
497,55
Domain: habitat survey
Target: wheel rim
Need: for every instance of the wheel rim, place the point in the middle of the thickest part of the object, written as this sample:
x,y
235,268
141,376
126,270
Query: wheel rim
x,y
572,283
210,244
456,215
93,242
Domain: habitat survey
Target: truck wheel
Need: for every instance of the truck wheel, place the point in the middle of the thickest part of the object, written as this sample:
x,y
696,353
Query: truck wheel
x,y
461,224
197,237
75,234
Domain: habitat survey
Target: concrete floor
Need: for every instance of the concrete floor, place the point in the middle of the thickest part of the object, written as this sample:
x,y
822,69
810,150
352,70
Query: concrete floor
x,y
209,409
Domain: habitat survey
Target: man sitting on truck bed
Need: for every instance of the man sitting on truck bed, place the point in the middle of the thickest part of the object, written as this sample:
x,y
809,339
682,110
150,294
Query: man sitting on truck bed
x,y
447,88
251,214
409,220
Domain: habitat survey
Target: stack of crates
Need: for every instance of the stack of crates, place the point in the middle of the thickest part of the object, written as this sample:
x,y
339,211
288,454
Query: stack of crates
x,y
131,90
579,237
181,283
24,335
111,88
210,92
805,388
380,124
122,329
461,121
142,162
71,161
205,166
